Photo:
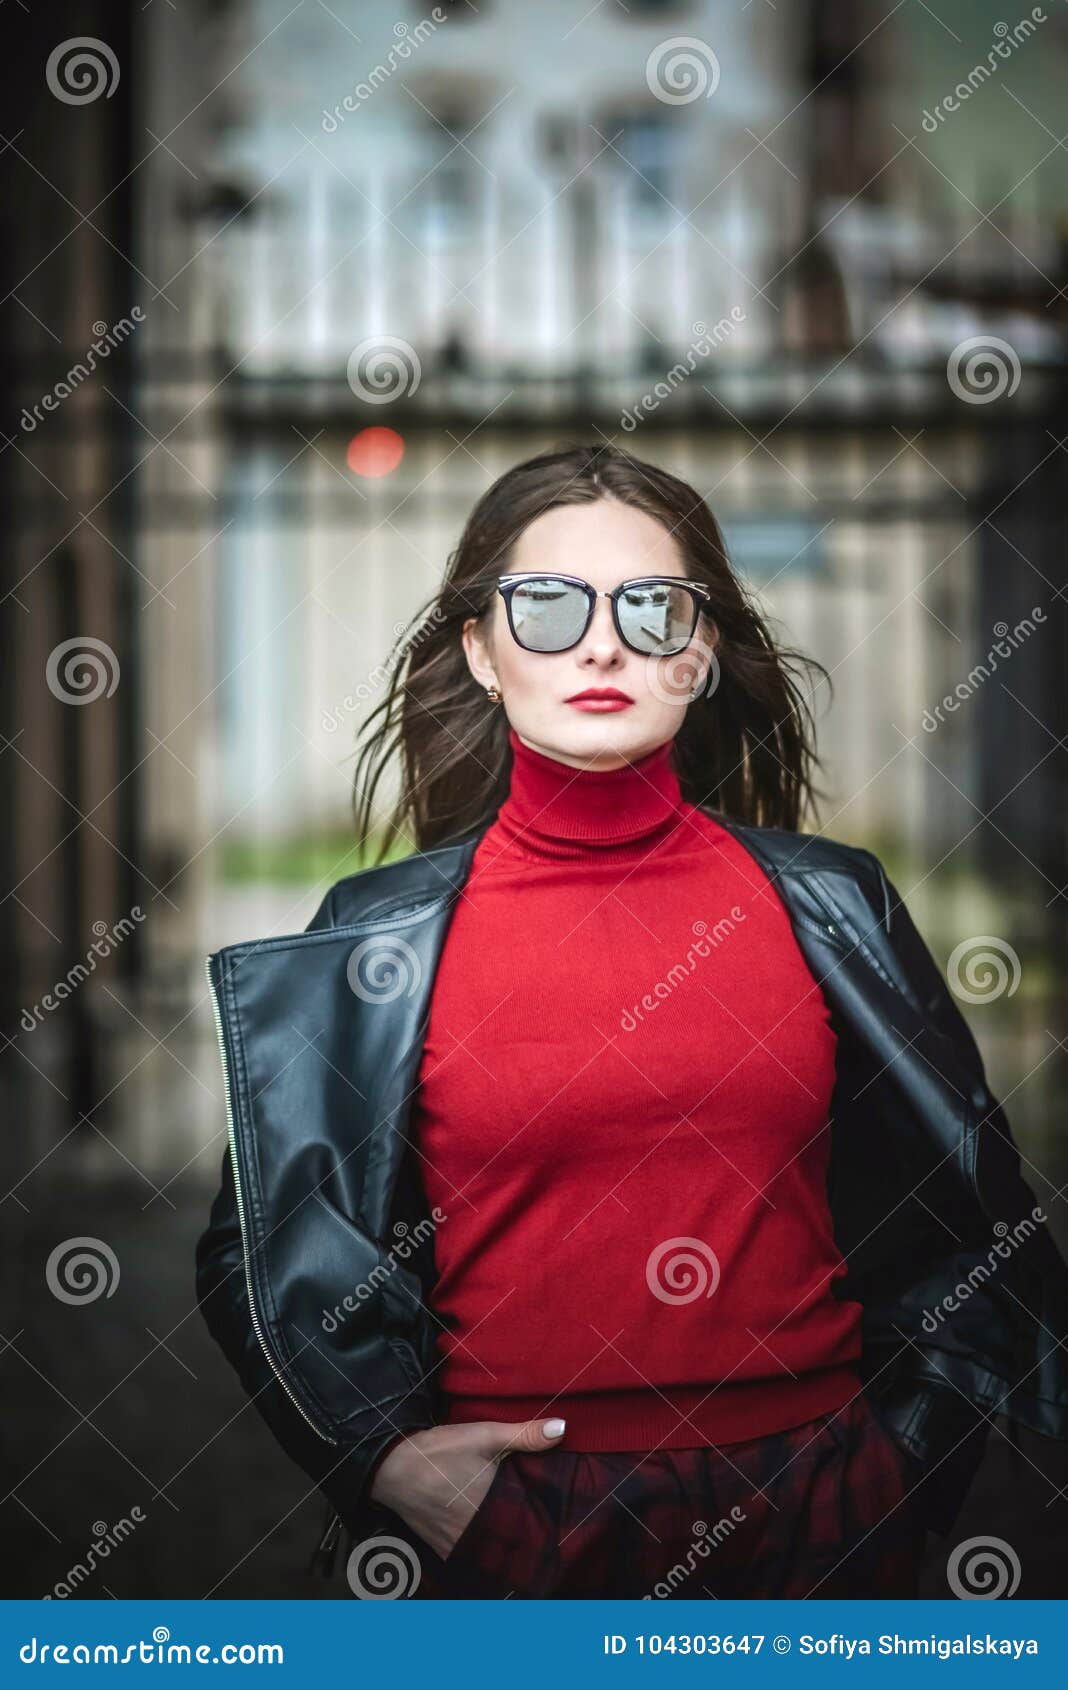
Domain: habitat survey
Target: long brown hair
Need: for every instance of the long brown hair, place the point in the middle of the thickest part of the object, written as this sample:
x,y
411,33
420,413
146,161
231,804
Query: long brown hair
x,y
745,749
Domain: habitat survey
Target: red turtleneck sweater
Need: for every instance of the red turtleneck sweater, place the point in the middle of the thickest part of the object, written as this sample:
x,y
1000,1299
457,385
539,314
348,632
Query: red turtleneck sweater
x,y
622,1113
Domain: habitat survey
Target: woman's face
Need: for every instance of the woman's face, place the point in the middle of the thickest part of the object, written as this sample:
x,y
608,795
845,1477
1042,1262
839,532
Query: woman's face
x,y
603,543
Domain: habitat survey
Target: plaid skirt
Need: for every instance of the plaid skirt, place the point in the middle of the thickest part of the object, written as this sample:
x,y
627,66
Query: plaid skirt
x,y
831,1508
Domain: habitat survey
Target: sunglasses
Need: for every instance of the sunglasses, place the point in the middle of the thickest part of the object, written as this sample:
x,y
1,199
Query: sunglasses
x,y
655,615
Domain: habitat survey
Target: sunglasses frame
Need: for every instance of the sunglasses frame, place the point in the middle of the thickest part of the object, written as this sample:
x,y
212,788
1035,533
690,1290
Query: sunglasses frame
x,y
699,594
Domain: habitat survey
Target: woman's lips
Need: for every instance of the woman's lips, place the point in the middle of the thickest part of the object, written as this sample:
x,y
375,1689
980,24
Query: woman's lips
x,y
600,706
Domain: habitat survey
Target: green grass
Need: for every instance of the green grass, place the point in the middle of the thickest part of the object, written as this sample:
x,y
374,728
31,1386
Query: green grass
x,y
301,860
960,901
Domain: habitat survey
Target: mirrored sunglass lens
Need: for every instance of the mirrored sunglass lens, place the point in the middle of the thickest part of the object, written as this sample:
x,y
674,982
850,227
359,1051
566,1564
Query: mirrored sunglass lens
x,y
658,618
548,615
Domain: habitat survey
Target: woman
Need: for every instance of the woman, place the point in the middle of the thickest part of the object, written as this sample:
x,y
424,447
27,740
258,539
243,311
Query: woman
x,y
597,1171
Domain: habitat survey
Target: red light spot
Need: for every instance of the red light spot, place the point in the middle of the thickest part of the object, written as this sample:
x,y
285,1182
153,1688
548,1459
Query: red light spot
x,y
374,452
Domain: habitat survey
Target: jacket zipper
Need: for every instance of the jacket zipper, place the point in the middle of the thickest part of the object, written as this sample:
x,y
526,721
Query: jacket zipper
x,y
231,1137
324,1554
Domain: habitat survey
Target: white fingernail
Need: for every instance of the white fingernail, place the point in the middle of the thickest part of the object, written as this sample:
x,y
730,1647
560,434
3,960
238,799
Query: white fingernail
x,y
554,1428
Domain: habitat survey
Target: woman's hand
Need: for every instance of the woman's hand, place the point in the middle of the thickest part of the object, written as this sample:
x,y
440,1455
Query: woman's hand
x,y
436,1479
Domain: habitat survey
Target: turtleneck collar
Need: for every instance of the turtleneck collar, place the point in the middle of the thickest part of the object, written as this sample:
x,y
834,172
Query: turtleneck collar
x,y
554,810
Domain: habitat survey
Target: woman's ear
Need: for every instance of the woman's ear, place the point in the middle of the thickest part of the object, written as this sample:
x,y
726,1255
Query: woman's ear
x,y
475,645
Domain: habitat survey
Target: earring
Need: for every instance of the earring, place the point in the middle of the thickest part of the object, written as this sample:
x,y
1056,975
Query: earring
x,y
493,695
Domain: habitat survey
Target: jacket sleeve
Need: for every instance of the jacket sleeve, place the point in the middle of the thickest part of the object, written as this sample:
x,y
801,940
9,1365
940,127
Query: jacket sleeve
x,y
933,1417
1001,1159
342,1472
925,976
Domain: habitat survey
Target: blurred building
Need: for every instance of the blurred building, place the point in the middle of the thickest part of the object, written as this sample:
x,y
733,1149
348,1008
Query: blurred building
x,y
493,227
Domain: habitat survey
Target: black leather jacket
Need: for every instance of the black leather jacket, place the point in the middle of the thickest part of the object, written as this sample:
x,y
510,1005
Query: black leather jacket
x,y
315,1268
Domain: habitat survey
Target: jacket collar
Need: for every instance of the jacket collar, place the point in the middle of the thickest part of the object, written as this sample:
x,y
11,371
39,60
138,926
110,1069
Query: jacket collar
x,y
838,902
